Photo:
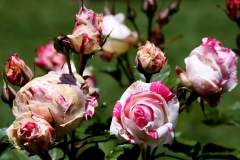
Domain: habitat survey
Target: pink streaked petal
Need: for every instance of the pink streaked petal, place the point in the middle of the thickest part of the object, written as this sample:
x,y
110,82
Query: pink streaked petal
x,y
159,88
89,113
153,134
117,111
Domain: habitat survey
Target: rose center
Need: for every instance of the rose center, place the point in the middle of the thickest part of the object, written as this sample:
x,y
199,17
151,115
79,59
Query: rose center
x,y
28,129
141,115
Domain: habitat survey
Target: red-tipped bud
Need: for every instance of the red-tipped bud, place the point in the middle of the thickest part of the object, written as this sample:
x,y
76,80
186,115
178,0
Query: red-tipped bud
x,y
162,17
173,6
233,7
17,72
149,7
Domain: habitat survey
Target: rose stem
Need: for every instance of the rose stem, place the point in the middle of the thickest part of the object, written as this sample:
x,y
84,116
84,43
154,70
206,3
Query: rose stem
x,y
73,144
82,63
148,77
125,56
67,56
124,70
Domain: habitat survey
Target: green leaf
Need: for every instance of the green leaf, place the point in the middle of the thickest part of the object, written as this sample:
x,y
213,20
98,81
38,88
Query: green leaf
x,y
4,147
138,75
212,147
123,152
115,72
94,153
163,75
2,133
111,102
220,156
96,129
182,145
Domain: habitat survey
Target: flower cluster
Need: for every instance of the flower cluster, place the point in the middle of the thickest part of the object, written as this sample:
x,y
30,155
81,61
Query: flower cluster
x,y
49,107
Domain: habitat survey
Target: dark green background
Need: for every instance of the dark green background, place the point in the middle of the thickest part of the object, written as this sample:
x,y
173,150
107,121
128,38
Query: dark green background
x,y
26,25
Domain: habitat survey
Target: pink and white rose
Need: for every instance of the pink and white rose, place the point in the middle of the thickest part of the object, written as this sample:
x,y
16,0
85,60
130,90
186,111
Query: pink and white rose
x,y
31,132
62,99
121,38
87,33
48,58
146,113
210,70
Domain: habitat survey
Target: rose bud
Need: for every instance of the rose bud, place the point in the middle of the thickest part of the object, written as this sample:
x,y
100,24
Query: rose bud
x,y
150,59
149,7
31,132
62,99
8,93
146,113
17,72
173,6
87,33
233,7
121,38
210,70
162,16
48,58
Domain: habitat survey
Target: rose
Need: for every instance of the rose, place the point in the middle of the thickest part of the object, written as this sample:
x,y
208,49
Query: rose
x,y
121,38
62,99
87,34
17,72
210,70
233,7
48,58
146,113
31,132
150,59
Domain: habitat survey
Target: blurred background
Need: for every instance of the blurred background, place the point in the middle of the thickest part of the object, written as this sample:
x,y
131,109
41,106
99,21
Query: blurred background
x,y
26,25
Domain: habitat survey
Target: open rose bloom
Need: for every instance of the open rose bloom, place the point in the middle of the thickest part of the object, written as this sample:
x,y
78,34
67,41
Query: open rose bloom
x,y
63,100
121,38
146,113
210,70
31,132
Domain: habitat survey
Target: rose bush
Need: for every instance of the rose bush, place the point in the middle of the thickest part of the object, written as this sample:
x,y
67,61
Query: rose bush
x,y
31,132
150,59
62,99
146,113
210,70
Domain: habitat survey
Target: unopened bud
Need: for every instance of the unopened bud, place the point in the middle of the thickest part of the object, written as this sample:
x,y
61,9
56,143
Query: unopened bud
x,y
17,72
8,92
162,16
149,7
233,7
150,59
173,6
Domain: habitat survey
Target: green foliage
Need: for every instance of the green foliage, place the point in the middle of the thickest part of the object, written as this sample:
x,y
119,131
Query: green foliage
x,y
185,146
124,151
92,153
